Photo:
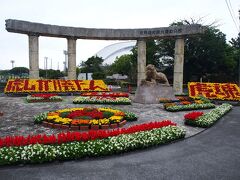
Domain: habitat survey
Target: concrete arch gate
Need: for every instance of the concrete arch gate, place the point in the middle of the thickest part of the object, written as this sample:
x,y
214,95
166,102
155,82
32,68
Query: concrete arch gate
x,y
34,30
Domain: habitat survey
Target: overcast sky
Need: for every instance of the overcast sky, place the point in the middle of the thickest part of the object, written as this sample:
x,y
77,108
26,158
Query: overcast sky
x,y
100,14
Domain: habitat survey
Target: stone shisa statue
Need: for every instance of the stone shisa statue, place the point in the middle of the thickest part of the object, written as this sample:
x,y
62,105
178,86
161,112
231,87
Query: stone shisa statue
x,y
153,87
153,77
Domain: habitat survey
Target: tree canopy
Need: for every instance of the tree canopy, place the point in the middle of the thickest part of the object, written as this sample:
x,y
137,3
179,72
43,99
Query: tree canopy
x,y
207,56
93,64
19,70
50,74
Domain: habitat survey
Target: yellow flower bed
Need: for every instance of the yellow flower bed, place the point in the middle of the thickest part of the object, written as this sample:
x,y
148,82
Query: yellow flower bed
x,y
53,85
221,91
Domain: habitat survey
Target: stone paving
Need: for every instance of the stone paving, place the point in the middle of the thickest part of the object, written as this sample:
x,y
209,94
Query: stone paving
x,y
18,115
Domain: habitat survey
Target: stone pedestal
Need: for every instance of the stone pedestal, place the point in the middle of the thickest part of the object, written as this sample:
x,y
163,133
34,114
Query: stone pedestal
x,y
178,66
71,58
141,61
150,94
33,57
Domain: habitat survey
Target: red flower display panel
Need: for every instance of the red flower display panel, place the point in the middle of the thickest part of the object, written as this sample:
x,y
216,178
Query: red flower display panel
x,y
53,85
221,91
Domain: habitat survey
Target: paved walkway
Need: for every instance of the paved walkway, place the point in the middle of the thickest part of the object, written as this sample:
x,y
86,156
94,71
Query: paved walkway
x,y
212,154
18,115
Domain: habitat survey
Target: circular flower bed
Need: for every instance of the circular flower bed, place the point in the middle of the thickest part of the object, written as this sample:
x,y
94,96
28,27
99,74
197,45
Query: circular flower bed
x,y
85,118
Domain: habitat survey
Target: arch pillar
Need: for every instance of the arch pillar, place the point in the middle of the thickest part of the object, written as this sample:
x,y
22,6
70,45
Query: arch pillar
x,y
33,44
141,60
71,49
178,66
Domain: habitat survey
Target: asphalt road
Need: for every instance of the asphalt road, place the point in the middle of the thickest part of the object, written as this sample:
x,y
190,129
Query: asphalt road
x,y
212,154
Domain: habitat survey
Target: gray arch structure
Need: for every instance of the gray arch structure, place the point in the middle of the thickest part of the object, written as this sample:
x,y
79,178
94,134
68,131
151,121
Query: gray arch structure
x,y
34,30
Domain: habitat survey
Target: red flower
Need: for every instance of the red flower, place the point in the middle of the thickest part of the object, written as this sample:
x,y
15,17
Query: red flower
x,y
65,137
45,96
193,115
106,94
185,102
93,113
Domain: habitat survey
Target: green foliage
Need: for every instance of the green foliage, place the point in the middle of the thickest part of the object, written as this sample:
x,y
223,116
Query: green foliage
x,y
206,55
235,45
107,114
121,63
19,70
129,116
98,75
78,70
50,74
4,72
39,118
126,65
204,99
64,114
93,64
83,117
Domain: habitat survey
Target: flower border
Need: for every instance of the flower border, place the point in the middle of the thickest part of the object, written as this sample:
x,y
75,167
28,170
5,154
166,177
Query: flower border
x,y
66,137
102,100
208,119
39,153
105,94
188,107
34,98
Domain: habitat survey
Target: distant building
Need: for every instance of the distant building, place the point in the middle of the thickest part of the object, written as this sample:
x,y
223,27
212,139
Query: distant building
x,y
85,76
117,77
109,53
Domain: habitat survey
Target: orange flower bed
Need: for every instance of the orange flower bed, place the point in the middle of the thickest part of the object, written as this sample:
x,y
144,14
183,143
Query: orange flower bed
x,y
53,85
221,91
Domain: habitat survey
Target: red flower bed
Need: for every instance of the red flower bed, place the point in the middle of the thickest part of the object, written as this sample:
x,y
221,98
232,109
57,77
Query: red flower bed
x,y
193,115
93,114
45,96
65,137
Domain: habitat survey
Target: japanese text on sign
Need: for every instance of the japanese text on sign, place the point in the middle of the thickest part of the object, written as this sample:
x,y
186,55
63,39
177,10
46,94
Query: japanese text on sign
x,y
33,85
222,91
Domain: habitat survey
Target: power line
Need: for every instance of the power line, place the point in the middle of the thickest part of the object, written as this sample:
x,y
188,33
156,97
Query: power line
x,y
231,13
230,4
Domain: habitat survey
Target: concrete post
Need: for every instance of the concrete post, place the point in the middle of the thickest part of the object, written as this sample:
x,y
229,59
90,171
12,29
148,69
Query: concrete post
x,y
71,49
33,57
178,66
141,64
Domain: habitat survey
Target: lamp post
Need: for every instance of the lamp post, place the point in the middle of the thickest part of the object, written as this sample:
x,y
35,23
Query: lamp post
x,y
12,61
65,62
46,63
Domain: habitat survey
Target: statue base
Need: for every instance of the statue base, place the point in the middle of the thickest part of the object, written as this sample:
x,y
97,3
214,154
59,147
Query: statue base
x,y
150,93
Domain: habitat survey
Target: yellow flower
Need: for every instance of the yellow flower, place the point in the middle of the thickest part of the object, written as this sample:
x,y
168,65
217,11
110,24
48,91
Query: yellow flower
x,y
94,121
103,121
116,118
